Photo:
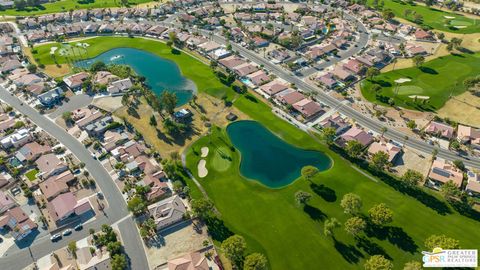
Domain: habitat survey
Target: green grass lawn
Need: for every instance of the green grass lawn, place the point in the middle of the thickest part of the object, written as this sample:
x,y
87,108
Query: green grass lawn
x,y
434,18
269,219
67,5
437,79
31,175
194,69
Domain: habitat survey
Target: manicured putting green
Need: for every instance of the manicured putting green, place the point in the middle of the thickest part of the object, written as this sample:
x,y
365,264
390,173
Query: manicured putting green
x,y
222,159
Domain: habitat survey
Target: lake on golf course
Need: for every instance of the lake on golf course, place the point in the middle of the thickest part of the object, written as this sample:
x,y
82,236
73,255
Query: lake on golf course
x,y
269,159
160,73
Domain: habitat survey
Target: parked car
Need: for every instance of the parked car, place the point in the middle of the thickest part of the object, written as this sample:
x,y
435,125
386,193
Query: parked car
x,y
78,227
55,237
67,232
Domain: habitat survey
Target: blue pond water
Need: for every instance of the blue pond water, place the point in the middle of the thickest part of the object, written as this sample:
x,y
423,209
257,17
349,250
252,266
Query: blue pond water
x,y
269,159
160,74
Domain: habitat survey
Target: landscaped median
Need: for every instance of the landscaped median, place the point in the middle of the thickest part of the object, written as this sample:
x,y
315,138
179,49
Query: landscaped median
x,y
427,87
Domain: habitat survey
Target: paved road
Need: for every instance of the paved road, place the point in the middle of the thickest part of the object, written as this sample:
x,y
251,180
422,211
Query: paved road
x,y
75,102
364,120
117,207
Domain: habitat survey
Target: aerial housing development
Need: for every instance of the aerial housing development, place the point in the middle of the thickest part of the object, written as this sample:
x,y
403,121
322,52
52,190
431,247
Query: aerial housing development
x,y
248,135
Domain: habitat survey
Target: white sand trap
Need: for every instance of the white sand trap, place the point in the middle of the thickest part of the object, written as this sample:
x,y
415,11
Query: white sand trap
x,y
460,26
402,80
449,17
202,170
204,151
419,97
53,49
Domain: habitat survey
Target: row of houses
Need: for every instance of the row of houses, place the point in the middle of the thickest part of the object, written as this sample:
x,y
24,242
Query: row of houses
x,y
464,134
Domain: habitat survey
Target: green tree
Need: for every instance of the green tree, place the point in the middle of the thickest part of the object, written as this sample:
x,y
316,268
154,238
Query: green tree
x,y
114,248
380,214
137,205
234,248
378,262
379,160
329,134
459,164
202,208
354,148
372,72
330,225
308,172
32,68
98,66
72,248
411,124
355,225
119,261
153,121
375,88
388,14
413,265
168,101
255,261
449,190
455,145
351,204
178,186
67,117
302,197
411,178
441,241
418,60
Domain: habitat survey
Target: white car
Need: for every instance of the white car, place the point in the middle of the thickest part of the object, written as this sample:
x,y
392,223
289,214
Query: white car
x,y
67,232
55,237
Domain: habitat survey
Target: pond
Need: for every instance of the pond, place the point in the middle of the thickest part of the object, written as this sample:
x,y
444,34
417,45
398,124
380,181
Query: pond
x,y
269,159
160,74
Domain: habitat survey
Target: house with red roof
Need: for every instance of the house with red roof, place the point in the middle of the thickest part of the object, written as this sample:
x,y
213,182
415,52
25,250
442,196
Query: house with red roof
x,y
440,130
308,108
356,134
66,205
442,172
289,98
19,224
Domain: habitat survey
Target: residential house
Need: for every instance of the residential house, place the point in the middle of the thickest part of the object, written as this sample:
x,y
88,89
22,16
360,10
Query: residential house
x,y
31,151
99,259
66,205
99,127
27,79
357,134
18,222
6,202
16,139
335,121
342,74
389,148
75,81
308,108
49,165
56,184
327,80
274,87
119,86
258,78
442,171
466,134
114,138
440,130
244,69
5,179
473,184
167,212
50,97
422,35
130,150
86,116
191,261
354,66
289,97
104,77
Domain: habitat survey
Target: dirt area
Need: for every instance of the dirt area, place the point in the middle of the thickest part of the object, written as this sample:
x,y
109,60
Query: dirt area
x,y
463,108
414,160
175,242
108,104
470,42
57,71
206,107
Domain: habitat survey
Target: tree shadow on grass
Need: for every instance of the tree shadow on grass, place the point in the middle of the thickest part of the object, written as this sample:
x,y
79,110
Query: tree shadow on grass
x,y
323,191
251,98
349,252
371,248
417,193
395,235
428,70
383,83
217,229
314,213
465,210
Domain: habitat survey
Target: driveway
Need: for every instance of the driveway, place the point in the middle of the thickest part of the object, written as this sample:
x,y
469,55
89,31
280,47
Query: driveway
x,y
75,102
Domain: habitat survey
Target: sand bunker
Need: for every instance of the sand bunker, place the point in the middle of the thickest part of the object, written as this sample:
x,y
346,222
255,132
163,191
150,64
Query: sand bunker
x,y
402,80
202,170
53,49
204,151
460,26
449,17
419,97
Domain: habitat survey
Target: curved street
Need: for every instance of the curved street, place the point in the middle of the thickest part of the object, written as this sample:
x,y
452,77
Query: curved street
x,y
117,210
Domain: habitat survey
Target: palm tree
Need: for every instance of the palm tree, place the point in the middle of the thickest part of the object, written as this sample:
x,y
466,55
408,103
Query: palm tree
x,y
394,62
383,130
